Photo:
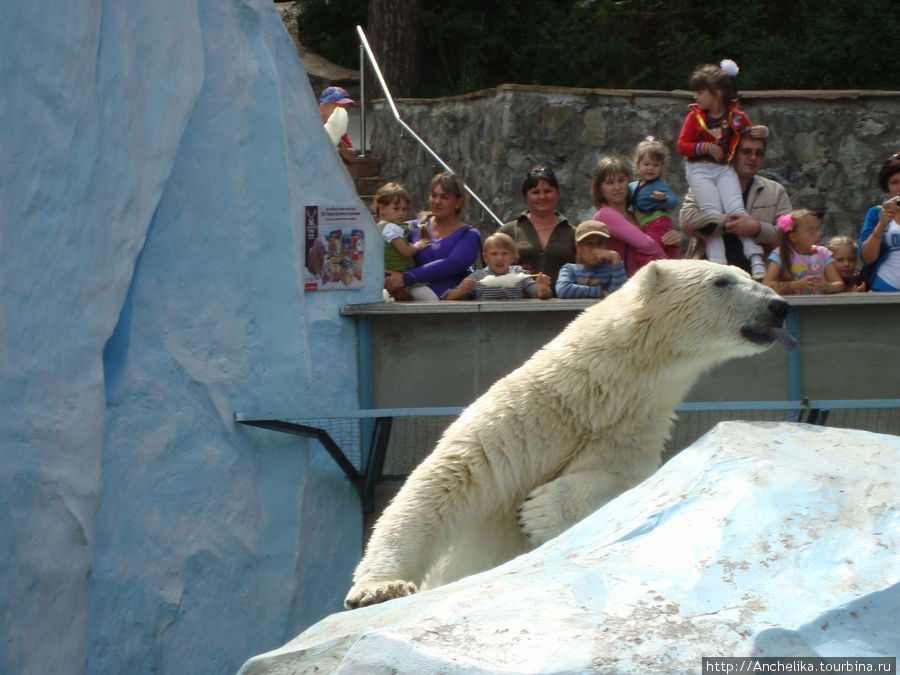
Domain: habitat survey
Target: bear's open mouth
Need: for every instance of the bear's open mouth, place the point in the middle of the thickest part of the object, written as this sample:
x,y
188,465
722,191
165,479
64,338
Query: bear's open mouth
x,y
758,334
771,328
766,335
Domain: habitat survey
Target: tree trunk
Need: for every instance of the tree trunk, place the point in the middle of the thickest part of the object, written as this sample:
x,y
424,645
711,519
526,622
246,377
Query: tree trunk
x,y
395,35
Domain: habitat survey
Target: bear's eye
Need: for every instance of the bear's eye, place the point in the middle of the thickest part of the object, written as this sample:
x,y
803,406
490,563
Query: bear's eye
x,y
722,282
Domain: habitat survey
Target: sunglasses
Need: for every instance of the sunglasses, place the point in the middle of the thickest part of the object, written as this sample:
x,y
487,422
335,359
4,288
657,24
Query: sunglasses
x,y
534,173
750,152
892,158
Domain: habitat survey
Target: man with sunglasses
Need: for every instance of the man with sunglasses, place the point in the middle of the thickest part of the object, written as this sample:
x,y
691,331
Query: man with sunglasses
x,y
764,200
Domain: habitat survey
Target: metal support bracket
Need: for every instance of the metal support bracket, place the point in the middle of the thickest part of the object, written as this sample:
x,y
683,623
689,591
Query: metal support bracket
x,y
365,483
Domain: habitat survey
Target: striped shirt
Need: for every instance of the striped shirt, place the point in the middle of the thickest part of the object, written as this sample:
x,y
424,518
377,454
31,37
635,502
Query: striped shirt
x,y
578,281
524,288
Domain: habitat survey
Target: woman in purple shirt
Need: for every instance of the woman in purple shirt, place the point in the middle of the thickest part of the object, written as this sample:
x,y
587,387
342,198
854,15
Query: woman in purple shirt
x,y
454,245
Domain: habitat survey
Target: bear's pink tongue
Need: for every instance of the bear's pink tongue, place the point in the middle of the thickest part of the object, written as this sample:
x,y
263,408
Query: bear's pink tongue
x,y
783,337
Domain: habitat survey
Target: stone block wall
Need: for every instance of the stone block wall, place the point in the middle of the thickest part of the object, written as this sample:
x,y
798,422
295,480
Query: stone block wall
x,y
826,146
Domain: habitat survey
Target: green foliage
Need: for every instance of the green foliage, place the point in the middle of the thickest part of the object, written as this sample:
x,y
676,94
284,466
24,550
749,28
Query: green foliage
x,y
328,28
635,44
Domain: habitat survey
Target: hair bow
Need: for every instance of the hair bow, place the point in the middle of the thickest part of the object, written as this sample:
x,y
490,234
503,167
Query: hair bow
x,y
729,67
786,222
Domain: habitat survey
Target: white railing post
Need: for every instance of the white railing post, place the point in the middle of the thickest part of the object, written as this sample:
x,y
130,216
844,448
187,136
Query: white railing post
x,y
362,99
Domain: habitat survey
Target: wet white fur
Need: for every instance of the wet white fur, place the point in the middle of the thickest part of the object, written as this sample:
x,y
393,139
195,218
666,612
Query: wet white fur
x,y
580,422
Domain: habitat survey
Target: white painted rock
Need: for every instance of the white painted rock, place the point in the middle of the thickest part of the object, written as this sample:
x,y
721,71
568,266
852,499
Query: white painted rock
x,y
761,539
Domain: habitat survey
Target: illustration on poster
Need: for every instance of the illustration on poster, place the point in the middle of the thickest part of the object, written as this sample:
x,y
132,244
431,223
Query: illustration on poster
x,y
335,248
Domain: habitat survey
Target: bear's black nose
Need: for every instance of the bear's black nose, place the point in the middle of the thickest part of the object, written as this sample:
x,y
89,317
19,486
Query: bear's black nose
x,y
779,308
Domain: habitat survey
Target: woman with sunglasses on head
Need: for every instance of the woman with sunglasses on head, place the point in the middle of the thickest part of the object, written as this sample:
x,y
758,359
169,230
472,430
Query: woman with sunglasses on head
x,y
544,237
879,242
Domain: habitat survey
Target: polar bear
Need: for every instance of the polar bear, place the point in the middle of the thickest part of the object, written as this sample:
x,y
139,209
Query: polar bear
x,y
583,420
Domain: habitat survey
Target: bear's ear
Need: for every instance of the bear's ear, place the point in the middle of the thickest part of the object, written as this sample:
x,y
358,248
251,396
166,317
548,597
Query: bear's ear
x,y
651,278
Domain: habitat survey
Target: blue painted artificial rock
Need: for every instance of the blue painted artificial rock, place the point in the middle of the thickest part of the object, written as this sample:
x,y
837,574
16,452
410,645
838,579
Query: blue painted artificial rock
x,y
157,158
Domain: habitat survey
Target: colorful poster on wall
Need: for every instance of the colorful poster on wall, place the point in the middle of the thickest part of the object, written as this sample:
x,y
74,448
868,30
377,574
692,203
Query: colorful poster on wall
x,y
335,248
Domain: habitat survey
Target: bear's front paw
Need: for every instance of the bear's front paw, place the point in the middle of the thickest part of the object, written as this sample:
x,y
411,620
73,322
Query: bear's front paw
x,y
541,516
363,595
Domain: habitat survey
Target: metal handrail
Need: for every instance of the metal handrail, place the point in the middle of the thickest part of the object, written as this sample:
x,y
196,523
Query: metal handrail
x,y
387,94
362,96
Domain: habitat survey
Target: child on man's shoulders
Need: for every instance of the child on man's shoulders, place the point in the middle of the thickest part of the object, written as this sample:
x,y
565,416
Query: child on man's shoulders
x,y
708,141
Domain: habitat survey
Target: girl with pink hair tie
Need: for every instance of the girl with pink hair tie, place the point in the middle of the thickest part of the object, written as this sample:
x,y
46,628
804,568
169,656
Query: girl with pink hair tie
x,y
798,266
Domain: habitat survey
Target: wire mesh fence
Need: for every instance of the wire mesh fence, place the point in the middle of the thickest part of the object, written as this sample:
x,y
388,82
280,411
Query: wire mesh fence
x,y
412,438
693,424
878,420
346,432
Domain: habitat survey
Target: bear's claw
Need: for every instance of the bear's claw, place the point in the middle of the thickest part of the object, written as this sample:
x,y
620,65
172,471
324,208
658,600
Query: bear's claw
x,y
363,595
540,516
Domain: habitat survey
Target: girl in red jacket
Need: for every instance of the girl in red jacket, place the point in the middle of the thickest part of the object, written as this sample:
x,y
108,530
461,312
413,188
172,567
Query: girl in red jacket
x,y
708,140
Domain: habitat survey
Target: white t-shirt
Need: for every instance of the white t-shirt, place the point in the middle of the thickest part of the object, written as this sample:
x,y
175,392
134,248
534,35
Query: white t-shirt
x,y
391,231
889,269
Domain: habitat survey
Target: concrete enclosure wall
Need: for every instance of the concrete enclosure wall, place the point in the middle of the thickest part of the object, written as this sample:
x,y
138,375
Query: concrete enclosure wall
x,y
826,147
459,349
462,348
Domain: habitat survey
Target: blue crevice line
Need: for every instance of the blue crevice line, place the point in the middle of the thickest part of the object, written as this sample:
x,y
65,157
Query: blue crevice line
x,y
99,48
115,351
